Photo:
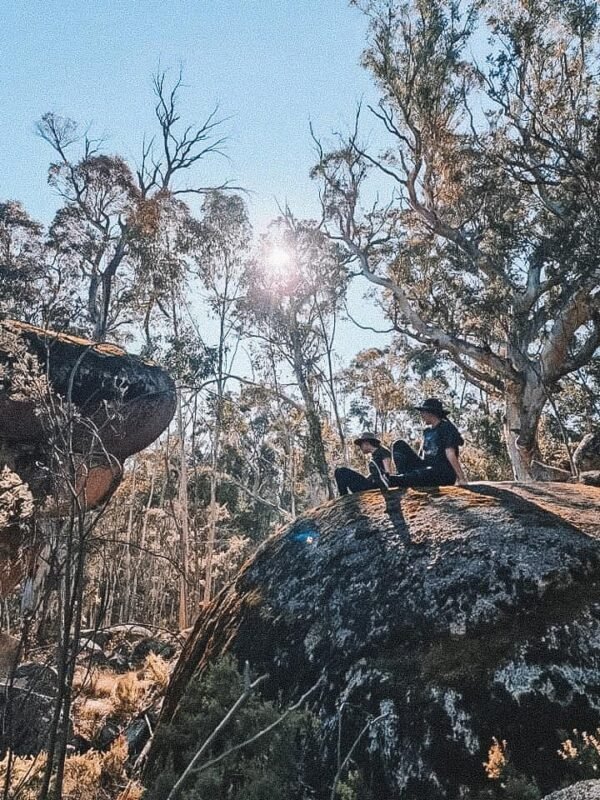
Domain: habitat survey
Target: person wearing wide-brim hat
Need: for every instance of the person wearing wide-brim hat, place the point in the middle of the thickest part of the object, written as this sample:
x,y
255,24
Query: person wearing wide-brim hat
x,y
438,464
350,481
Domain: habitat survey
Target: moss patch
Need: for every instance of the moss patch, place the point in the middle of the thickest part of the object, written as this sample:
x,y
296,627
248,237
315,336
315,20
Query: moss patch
x,y
466,661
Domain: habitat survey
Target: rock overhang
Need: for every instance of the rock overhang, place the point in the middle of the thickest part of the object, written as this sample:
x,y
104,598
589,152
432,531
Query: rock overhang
x,y
130,400
120,404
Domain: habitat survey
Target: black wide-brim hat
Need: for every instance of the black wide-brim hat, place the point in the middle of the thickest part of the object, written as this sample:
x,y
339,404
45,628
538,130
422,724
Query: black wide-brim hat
x,y
367,436
433,406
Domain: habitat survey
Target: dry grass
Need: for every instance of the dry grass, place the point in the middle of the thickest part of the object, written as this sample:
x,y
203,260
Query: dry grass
x,y
94,682
103,694
82,776
89,776
133,791
114,760
25,775
127,694
90,715
94,775
156,671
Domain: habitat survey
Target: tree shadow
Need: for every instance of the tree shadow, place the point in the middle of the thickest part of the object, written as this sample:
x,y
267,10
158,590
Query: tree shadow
x,y
521,508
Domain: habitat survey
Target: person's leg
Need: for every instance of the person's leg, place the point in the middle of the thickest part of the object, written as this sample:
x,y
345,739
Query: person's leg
x,y
422,477
341,480
405,457
378,478
349,480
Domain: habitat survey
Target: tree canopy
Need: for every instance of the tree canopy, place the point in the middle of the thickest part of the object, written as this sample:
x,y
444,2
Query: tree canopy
x,y
487,248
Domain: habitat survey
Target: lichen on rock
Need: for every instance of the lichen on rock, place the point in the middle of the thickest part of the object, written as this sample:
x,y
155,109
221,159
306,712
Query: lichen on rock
x,y
584,790
454,615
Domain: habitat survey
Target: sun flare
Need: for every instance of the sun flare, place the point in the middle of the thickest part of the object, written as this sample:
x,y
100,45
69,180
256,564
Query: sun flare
x,y
278,260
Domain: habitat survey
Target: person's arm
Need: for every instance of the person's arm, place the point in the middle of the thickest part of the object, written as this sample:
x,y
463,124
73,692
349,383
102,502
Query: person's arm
x,y
453,459
387,465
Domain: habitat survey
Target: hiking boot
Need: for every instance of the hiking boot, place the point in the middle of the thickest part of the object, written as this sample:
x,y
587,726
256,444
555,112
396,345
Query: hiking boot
x,y
378,477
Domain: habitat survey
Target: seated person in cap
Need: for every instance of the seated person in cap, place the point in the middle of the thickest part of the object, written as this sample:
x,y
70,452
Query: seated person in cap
x,y
350,481
439,464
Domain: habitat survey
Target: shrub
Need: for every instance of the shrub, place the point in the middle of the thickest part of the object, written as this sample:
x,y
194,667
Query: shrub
x,y
509,784
269,769
582,752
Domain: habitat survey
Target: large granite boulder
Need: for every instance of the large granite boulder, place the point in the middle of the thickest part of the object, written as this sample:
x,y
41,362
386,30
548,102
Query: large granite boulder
x,y
455,614
587,455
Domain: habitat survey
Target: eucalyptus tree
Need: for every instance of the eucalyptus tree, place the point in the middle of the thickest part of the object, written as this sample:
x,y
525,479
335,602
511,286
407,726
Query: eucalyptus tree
x,y
376,380
35,281
294,288
21,248
113,214
488,248
219,248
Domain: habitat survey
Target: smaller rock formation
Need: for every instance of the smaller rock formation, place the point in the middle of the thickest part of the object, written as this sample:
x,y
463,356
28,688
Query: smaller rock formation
x,y
587,455
100,379
26,716
587,459
584,790
94,404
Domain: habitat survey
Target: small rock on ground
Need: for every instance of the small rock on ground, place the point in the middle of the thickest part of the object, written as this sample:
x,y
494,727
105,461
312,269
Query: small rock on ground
x,y
584,790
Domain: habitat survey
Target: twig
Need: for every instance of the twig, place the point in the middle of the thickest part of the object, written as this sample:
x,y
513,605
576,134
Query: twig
x,y
342,766
260,734
226,719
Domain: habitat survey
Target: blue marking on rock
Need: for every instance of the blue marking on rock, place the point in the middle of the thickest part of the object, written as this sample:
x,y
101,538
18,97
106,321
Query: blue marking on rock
x,y
305,535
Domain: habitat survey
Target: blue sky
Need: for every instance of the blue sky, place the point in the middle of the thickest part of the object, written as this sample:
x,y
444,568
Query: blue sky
x,y
272,65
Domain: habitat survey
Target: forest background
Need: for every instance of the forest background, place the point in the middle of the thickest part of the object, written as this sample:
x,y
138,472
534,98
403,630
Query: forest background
x,y
444,243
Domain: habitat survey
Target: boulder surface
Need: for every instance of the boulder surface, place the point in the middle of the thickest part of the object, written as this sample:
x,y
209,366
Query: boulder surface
x,y
444,617
56,389
587,455
584,790
128,399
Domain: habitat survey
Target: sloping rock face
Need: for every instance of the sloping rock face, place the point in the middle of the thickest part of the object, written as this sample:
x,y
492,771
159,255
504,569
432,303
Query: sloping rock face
x,y
454,614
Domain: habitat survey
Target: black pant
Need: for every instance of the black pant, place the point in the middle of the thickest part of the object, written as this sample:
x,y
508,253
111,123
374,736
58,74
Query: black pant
x,y
413,471
349,480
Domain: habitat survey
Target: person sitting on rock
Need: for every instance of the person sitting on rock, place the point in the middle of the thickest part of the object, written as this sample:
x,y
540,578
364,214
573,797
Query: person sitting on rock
x,y
439,464
350,481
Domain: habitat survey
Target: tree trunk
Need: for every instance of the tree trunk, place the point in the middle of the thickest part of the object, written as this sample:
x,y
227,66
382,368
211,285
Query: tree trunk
x,y
316,457
125,613
524,405
183,521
